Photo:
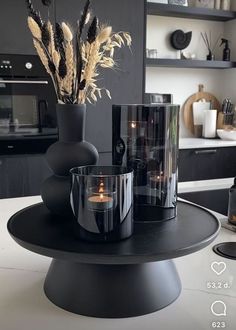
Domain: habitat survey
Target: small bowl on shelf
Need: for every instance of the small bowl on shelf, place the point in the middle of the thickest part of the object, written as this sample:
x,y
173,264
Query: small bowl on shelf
x,y
229,135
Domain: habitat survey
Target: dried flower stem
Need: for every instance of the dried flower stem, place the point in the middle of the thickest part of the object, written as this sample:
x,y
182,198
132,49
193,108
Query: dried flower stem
x,y
68,80
51,46
44,59
93,57
74,71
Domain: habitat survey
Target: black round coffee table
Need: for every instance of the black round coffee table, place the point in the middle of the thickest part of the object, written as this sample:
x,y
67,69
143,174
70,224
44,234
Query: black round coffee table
x,y
123,279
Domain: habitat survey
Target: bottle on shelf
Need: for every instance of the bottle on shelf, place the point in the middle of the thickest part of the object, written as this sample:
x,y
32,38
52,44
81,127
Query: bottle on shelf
x,y
226,50
232,204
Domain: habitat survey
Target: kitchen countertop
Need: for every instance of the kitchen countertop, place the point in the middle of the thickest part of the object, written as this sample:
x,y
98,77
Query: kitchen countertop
x,y
194,143
23,304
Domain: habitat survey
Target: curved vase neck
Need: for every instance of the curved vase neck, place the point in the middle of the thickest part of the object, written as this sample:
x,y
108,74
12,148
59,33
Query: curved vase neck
x,y
71,122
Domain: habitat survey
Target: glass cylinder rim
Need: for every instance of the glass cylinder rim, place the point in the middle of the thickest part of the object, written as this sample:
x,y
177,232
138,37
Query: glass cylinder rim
x,y
126,171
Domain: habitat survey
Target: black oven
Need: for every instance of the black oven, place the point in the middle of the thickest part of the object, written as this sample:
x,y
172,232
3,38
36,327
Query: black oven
x,y
27,102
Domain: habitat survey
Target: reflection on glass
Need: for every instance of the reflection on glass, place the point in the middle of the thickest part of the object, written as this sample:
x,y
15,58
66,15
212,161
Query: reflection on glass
x,y
149,134
20,112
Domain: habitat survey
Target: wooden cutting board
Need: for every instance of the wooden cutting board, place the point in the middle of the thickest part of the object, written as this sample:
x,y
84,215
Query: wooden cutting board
x,y
188,106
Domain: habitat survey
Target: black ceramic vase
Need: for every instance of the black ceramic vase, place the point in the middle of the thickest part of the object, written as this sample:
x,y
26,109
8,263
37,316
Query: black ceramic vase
x,y
71,150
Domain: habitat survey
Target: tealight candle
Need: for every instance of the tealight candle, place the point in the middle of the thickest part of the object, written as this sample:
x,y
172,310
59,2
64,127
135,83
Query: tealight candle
x,y
100,201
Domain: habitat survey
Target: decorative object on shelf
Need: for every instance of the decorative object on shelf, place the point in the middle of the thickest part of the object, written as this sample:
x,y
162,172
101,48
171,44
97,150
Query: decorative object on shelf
x,y
225,4
145,137
205,3
187,108
217,4
187,55
208,43
102,201
180,40
73,62
226,50
151,53
151,98
178,2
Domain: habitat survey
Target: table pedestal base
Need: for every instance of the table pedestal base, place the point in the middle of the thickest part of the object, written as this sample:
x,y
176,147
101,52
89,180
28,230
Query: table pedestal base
x,y
112,291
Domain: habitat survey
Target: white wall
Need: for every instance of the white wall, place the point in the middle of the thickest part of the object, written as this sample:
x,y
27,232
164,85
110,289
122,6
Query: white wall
x,y
184,82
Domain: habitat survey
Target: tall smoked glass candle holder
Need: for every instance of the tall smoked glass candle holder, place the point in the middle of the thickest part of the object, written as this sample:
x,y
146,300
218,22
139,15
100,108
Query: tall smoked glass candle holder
x,y
145,137
102,200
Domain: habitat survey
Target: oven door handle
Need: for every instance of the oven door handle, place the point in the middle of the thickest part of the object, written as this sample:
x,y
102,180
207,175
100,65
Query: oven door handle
x,y
39,82
42,104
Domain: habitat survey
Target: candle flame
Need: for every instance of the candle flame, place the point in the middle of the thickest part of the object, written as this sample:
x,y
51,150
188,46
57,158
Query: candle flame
x,y
101,191
101,187
133,124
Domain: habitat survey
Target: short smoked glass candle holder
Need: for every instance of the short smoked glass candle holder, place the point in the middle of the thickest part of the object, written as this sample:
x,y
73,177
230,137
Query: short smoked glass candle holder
x,y
102,202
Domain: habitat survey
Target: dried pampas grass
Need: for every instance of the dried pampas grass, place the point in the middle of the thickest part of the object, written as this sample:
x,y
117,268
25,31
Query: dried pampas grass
x,y
75,70
68,36
34,28
104,34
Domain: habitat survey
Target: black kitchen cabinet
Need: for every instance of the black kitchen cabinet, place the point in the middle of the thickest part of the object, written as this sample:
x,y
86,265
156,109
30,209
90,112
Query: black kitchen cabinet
x,y
216,200
22,175
126,83
207,163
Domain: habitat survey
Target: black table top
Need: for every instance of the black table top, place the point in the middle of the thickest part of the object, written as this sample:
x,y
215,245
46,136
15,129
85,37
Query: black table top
x,y
37,230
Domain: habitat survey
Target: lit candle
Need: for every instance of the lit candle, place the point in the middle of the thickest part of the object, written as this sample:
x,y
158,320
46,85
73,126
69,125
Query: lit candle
x,y
156,180
100,201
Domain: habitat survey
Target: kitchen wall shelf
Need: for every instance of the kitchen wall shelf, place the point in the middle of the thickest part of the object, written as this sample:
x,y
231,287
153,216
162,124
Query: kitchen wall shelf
x,y
190,12
194,64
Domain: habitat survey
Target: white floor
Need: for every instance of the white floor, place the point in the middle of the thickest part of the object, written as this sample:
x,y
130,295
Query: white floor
x,y
23,305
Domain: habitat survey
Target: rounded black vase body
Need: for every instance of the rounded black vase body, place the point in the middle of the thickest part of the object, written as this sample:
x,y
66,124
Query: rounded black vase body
x,y
69,151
